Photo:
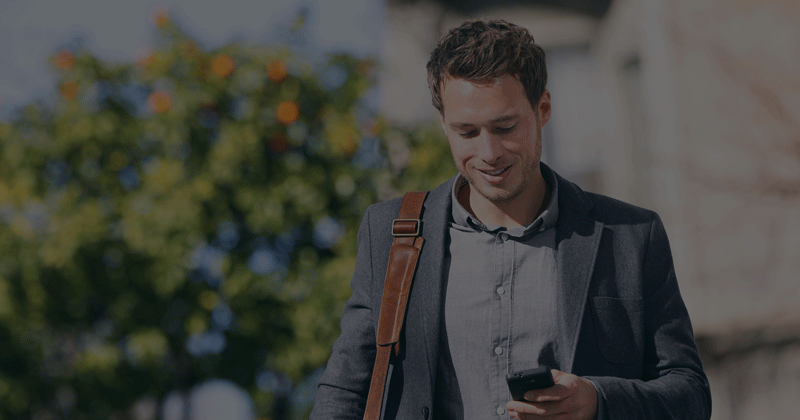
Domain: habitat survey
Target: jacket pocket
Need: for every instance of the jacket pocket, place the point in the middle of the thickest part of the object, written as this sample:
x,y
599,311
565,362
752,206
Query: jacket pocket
x,y
618,326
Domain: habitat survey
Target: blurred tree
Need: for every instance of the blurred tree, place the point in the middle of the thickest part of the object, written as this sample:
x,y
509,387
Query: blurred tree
x,y
186,217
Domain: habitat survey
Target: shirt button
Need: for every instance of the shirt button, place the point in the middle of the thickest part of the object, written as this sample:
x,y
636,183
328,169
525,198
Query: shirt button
x,y
498,351
500,290
501,410
503,236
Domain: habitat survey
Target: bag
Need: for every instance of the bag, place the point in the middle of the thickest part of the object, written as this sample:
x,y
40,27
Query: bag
x,y
403,257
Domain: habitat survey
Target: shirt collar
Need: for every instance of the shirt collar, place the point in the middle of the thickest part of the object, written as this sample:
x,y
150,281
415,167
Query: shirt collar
x,y
546,220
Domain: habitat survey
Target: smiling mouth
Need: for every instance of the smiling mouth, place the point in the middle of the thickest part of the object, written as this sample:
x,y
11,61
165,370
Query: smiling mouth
x,y
495,172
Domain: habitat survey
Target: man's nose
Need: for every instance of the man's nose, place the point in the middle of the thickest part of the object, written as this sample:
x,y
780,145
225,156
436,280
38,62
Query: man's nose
x,y
490,149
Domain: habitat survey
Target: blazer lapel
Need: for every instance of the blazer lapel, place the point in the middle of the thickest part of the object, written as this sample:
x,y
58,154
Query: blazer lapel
x,y
577,243
429,280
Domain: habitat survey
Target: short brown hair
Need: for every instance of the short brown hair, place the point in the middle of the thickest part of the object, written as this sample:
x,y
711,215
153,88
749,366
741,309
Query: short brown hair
x,y
481,50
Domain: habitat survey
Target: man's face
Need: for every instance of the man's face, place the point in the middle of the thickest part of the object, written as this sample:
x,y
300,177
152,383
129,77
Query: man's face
x,y
495,136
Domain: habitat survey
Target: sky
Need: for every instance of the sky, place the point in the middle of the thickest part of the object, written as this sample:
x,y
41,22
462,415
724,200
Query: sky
x,y
120,30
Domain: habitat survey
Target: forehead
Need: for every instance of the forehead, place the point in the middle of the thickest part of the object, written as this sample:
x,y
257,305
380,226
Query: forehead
x,y
476,100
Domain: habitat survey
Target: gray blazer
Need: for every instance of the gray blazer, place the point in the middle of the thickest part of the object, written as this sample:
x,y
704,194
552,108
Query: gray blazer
x,y
622,321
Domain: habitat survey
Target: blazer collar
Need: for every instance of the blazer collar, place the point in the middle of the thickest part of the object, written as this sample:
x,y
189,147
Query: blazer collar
x,y
577,241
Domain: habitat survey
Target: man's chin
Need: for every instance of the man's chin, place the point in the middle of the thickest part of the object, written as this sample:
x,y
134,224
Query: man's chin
x,y
496,195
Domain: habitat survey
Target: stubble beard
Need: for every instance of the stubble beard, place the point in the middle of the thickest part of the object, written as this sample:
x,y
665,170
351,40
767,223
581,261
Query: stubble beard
x,y
499,195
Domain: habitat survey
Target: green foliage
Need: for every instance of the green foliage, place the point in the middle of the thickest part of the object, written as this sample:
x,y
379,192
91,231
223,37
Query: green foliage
x,y
189,216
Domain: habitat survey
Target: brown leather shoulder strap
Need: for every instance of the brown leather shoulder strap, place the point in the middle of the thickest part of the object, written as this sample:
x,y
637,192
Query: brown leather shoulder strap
x,y
403,257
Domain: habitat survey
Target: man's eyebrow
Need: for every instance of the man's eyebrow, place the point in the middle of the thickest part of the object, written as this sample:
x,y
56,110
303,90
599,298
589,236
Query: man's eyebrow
x,y
457,126
505,118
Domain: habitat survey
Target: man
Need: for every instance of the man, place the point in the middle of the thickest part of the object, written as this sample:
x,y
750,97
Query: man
x,y
520,268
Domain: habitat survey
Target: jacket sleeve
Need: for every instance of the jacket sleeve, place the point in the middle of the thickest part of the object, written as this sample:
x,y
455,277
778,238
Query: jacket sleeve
x,y
673,384
343,386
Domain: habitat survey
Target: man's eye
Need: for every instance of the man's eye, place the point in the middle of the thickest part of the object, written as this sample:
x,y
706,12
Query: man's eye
x,y
468,134
506,129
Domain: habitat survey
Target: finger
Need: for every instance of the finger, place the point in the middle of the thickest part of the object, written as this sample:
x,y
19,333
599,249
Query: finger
x,y
557,392
543,396
566,385
553,393
538,408
517,408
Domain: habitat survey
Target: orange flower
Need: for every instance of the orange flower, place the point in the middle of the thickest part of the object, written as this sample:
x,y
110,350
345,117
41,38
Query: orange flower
x,y
276,71
161,17
159,101
68,90
64,60
287,112
222,65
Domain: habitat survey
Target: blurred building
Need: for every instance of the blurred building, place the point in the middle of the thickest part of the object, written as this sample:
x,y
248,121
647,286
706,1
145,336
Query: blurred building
x,y
687,107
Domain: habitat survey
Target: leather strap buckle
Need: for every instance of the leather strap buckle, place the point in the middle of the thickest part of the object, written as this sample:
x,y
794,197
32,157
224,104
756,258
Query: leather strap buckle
x,y
403,227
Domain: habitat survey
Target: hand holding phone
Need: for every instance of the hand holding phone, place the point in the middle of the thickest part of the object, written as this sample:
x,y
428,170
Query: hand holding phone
x,y
522,381
557,392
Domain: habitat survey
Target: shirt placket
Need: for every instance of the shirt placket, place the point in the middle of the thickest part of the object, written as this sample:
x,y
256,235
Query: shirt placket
x,y
501,308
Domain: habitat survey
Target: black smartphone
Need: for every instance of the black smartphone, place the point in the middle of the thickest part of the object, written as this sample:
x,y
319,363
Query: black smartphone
x,y
525,380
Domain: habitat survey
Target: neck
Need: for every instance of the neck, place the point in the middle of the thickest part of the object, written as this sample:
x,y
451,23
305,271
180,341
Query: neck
x,y
517,211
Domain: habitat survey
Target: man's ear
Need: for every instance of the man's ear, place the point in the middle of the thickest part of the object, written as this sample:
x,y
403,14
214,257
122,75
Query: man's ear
x,y
544,107
441,121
